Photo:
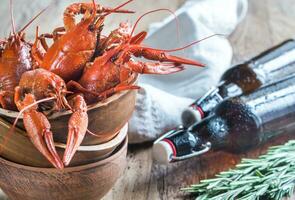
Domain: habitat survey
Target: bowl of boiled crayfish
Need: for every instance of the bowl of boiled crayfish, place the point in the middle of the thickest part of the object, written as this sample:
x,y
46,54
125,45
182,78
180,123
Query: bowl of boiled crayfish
x,y
65,104
81,89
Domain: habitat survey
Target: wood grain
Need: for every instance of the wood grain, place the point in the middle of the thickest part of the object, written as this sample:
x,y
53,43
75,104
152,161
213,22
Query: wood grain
x,y
268,22
91,181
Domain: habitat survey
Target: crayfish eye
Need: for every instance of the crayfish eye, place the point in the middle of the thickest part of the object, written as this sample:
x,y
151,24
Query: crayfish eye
x,y
26,91
49,87
114,58
91,27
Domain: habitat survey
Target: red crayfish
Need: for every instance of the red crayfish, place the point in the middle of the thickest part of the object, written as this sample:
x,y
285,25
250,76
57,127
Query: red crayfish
x,y
115,69
41,84
15,59
63,61
74,44
83,63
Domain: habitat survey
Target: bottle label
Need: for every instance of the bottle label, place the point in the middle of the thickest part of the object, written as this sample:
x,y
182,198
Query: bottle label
x,y
231,90
184,142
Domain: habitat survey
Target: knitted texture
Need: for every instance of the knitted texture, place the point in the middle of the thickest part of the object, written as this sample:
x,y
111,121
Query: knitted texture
x,y
162,99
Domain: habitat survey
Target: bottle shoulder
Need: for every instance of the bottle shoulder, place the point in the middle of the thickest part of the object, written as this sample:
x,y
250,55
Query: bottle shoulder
x,y
237,110
234,126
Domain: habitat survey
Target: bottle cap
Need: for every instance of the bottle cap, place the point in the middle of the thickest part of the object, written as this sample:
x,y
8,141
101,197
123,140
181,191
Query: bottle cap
x,y
163,151
190,116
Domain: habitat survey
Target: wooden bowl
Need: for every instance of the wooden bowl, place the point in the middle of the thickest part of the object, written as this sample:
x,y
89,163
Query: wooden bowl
x,y
19,149
89,182
93,153
106,118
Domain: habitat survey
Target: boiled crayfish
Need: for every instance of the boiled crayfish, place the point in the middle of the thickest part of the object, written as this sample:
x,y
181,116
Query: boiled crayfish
x,y
115,69
40,84
74,44
82,62
63,61
15,59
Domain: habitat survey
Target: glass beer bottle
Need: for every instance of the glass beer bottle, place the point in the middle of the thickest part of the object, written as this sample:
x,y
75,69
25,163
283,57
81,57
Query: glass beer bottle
x,y
269,66
235,125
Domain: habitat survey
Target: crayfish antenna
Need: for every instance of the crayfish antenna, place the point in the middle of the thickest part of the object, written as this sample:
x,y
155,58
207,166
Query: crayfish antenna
x,y
12,18
33,19
94,9
93,134
117,8
99,21
153,11
193,43
181,48
178,33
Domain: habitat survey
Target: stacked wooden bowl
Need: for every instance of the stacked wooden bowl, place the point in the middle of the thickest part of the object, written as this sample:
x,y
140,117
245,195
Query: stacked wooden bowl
x,y
98,163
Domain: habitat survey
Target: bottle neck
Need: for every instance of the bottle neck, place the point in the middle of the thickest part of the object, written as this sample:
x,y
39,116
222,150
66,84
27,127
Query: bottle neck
x,y
277,52
269,66
215,96
227,90
279,61
184,143
273,64
211,133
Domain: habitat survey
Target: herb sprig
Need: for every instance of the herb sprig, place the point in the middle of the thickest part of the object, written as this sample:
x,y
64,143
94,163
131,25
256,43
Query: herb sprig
x,y
271,176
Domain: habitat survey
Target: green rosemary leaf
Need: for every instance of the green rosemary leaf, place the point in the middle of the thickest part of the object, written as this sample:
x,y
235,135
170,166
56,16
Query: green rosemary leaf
x,y
271,176
249,196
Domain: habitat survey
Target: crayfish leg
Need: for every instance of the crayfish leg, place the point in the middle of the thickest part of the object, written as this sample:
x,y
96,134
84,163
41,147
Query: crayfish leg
x,y
138,38
39,49
118,88
77,87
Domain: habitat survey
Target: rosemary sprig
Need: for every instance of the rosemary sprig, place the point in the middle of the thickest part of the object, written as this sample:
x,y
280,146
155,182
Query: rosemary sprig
x,y
271,176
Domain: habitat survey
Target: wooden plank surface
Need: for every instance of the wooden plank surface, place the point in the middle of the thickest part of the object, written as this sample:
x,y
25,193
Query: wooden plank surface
x,y
268,22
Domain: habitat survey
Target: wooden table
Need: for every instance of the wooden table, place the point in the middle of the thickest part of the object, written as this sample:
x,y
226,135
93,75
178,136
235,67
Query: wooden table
x,y
268,22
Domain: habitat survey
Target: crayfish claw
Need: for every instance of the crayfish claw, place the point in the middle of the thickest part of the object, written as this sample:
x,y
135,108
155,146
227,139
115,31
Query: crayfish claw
x,y
180,60
77,128
158,55
38,127
48,138
153,68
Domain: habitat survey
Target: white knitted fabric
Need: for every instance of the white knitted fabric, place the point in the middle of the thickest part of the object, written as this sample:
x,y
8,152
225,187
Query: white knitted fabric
x,y
162,98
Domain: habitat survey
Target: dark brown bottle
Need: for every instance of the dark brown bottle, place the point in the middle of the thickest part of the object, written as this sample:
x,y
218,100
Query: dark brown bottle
x,y
269,66
239,123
